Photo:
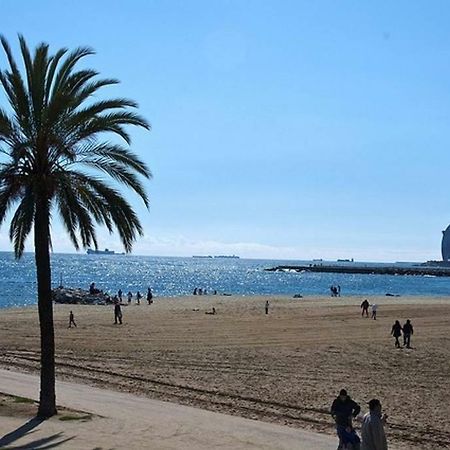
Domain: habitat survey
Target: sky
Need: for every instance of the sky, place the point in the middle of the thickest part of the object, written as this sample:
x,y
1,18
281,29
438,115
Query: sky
x,y
280,129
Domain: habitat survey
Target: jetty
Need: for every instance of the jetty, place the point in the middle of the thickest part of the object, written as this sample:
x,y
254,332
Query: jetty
x,y
365,269
78,296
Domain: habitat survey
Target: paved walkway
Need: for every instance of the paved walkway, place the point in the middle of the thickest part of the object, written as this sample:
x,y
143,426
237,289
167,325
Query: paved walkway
x,y
133,422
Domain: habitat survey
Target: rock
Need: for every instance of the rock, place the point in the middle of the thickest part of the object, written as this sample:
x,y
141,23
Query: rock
x,y
79,297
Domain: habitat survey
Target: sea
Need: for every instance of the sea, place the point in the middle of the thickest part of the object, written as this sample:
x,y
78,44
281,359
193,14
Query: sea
x,y
178,276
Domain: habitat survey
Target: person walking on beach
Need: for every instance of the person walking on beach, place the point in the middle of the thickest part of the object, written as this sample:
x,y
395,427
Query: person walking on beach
x,y
396,332
72,320
149,296
374,311
372,428
365,308
343,410
407,332
130,296
267,307
338,290
117,314
138,298
119,294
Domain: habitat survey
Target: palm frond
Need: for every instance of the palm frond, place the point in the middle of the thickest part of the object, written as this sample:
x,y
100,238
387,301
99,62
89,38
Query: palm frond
x,y
116,153
53,64
5,126
75,215
67,66
22,222
14,87
119,210
120,173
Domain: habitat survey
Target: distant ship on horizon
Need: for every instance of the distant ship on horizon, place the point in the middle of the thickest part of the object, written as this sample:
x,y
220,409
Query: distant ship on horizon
x,y
91,251
217,256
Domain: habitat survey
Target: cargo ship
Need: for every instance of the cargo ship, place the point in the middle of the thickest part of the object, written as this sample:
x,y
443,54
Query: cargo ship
x,y
90,251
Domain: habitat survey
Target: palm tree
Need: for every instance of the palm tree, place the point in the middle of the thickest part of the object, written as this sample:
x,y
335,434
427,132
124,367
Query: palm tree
x,y
53,150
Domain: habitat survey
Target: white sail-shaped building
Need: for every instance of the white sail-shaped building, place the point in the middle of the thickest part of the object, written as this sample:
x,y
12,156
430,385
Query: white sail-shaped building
x,y
446,244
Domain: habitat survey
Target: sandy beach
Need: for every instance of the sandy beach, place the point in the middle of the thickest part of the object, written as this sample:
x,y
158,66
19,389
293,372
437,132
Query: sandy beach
x,y
285,367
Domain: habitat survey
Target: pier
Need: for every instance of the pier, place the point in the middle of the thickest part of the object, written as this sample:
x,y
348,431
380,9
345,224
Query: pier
x,y
369,270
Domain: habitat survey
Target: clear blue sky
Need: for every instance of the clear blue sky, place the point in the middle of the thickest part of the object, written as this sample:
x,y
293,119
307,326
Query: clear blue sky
x,y
281,129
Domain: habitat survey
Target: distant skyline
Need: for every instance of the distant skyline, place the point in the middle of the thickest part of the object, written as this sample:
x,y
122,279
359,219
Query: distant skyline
x,y
288,129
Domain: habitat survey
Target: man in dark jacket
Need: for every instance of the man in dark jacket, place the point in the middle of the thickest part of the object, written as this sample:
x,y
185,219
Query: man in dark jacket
x,y
343,410
365,308
117,313
407,332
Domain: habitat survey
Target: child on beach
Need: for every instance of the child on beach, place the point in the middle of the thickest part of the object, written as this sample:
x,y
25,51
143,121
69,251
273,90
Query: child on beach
x,y
72,320
374,311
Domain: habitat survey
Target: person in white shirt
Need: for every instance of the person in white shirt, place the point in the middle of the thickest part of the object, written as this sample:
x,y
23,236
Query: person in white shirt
x,y
372,429
374,311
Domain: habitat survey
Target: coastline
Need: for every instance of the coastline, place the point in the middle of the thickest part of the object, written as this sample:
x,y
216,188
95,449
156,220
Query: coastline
x,y
284,367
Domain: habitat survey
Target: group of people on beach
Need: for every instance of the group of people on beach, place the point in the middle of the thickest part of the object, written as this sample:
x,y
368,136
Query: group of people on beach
x,y
407,331
203,291
344,410
118,298
335,290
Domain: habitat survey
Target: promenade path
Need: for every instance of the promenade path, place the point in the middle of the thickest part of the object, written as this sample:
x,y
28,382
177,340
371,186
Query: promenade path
x,y
130,422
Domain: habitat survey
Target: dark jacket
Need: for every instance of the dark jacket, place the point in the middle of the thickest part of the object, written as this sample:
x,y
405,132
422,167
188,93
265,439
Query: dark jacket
x,y
342,410
396,330
408,328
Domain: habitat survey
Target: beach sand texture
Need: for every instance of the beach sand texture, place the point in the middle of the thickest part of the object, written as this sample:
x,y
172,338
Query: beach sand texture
x,y
285,367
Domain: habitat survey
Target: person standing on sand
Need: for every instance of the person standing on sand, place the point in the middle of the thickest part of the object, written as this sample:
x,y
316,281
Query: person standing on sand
x,y
119,294
72,320
372,428
365,308
267,307
374,311
130,296
396,332
407,332
343,410
138,298
117,314
149,296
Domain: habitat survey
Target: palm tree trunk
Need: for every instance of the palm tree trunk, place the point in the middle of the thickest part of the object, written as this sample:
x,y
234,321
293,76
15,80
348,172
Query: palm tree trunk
x,y
47,397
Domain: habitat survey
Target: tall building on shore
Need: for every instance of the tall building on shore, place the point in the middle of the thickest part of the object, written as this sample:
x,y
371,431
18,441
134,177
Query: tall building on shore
x,y
446,244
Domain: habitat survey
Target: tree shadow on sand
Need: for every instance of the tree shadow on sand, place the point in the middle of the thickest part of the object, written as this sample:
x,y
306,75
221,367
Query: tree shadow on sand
x,y
39,444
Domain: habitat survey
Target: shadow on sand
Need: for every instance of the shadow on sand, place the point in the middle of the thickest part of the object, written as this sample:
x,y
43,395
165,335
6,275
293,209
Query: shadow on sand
x,y
39,444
